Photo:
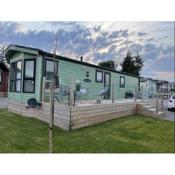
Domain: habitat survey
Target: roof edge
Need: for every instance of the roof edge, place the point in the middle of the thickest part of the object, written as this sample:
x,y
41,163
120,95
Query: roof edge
x,y
41,52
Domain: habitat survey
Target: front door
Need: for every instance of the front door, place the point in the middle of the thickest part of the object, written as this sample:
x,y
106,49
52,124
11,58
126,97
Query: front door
x,y
107,84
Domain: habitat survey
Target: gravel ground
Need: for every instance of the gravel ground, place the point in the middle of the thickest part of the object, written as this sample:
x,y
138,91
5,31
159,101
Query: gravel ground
x,y
3,102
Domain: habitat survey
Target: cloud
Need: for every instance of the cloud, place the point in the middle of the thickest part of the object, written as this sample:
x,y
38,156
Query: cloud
x,y
97,41
150,39
136,47
141,33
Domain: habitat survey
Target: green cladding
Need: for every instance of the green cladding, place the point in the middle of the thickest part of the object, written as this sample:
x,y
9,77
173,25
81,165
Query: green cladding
x,y
82,73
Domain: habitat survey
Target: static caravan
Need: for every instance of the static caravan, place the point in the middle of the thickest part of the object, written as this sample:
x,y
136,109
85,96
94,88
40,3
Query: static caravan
x,y
149,87
28,67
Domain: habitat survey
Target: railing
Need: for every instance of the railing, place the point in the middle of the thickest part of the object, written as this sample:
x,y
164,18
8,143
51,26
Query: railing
x,y
78,95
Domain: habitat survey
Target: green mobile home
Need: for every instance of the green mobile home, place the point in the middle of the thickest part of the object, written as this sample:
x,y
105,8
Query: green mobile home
x,y
28,66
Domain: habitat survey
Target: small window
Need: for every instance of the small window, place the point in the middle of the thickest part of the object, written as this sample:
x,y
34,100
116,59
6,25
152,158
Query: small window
x,y
99,76
0,77
122,81
29,76
15,77
50,69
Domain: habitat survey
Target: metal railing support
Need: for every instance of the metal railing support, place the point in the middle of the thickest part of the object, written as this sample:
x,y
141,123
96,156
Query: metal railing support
x,y
43,89
135,95
161,109
157,105
142,93
72,90
112,91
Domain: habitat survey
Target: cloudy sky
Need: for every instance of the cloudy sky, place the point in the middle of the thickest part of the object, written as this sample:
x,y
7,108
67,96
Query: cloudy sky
x,y
99,41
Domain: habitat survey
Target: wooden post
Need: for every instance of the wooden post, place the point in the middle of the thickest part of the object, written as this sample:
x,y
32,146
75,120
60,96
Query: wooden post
x,y
112,91
43,89
51,119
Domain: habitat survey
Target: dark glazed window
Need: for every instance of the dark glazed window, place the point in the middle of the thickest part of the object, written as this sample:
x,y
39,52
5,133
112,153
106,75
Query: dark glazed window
x,y
99,76
122,81
15,77
50,69
29,76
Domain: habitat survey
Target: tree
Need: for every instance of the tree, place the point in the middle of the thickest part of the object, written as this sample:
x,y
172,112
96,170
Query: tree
x,y
108,64
132,64
138,64
128,64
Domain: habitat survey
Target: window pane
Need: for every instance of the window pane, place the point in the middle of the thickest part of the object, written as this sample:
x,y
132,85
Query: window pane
x,y
18,70
107,79
29,69
99,76
12,71
18,85
122,81
19,66
50,69
18,75
49,75
12,85
28,86
49,66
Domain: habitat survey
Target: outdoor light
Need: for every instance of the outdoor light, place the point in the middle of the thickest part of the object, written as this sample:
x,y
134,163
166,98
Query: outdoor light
x,y
87,74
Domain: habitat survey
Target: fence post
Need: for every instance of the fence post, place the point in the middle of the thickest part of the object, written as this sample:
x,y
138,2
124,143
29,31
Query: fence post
x,y
112,91
43,89
157,103
161,103
142,93
135,96
72,89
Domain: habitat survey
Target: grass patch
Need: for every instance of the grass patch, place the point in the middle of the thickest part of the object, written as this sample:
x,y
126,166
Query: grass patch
x,y
134,134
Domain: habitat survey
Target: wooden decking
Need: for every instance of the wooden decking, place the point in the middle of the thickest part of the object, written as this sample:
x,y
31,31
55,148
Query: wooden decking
x,y
74,117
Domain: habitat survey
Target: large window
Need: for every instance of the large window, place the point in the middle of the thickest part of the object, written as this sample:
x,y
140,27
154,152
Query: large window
x,y
29,76
122,81
50,66
99,76
15,77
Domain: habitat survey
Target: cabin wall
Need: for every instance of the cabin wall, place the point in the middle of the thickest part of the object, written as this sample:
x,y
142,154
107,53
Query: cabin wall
x,y
78,72
68,69
130,84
